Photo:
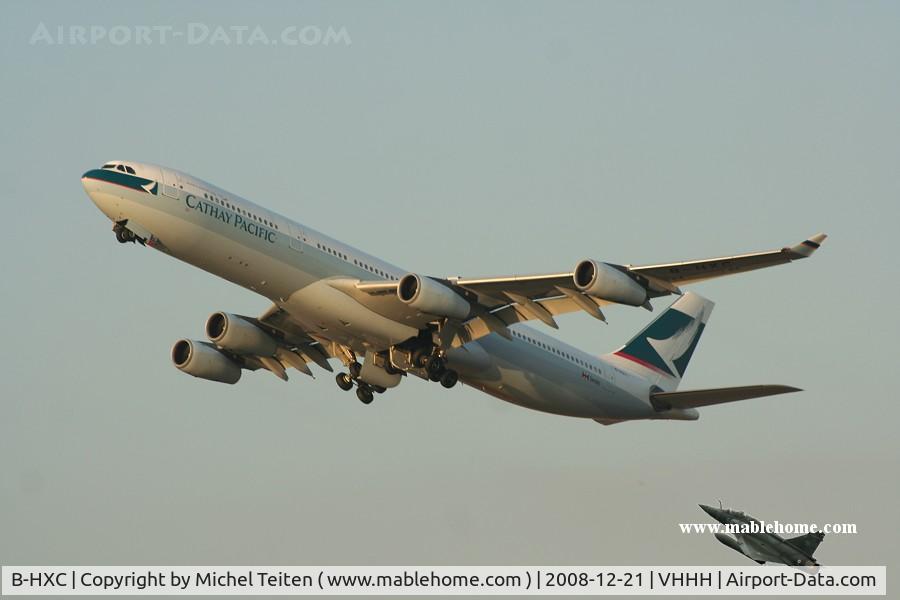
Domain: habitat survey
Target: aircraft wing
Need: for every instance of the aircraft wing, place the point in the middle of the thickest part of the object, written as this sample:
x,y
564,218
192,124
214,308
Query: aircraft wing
x,y
659,279
752,552
680,273
501,301
302,346
807,543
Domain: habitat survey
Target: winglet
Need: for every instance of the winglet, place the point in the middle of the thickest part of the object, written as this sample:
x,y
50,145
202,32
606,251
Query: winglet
x,y
805,248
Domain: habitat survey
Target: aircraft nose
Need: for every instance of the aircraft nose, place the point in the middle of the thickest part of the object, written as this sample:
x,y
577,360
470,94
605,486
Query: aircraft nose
x,y
86,181
89,183
715,513
101,198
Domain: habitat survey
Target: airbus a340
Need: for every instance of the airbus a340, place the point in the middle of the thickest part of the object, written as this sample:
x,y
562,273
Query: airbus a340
x,y
383,323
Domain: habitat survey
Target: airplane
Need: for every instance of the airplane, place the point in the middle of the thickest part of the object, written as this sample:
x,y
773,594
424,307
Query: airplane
x,y
766,547
383,323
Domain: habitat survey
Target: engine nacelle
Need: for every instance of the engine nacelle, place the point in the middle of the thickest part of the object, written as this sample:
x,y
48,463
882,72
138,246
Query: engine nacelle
x,y
239,335
429,296
204,361
608,283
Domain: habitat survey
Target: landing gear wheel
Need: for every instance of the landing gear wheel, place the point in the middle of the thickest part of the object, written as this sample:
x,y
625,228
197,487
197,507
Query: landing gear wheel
x,y
355,369
449,378
365,395
123,235
344,382
435,367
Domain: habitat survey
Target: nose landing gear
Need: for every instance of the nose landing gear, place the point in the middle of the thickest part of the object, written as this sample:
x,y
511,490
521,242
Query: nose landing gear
x,y
123,234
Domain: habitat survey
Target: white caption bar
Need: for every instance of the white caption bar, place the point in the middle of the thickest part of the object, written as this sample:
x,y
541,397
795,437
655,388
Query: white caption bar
x,y
486,581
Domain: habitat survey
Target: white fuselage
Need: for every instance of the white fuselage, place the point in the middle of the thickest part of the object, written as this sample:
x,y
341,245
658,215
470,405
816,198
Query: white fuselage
x,y
288,263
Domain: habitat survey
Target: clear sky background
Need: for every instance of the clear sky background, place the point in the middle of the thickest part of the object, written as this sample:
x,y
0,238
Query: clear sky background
x,y
454,139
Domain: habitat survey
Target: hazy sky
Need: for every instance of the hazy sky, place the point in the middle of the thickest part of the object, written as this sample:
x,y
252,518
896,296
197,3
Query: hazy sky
x,y
453,139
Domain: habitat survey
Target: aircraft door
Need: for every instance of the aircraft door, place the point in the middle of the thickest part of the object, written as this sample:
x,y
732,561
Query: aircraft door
x,y
170,183
297,238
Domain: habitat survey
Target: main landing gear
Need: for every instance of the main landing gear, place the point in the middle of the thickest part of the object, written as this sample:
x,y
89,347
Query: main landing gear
x,y
344,381
436,368
364,391
449,378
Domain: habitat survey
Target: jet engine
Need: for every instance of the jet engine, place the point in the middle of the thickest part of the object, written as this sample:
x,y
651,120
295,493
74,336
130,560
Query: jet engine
x,y
429,296
608,283
204,361
239,335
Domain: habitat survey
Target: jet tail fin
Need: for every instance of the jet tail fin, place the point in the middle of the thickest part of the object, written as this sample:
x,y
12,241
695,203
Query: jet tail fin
x,y
807,543
707,397
662,350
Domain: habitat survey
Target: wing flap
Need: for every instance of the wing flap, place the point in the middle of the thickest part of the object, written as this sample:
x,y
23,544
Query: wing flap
x,y
306,348
708,397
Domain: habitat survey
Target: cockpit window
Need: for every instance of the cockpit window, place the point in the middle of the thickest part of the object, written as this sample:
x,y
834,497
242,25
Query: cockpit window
x,y
109,166
120,167
129,169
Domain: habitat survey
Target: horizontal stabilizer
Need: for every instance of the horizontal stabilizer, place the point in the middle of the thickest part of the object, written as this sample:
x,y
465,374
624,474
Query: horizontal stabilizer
x,y
696,398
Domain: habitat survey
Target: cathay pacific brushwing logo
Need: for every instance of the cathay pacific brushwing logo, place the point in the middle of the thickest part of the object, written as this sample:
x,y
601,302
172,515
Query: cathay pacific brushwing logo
x,y
674,351
668,343
150,187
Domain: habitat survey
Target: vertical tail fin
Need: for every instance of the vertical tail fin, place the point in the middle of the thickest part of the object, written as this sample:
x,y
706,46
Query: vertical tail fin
x,y
661,351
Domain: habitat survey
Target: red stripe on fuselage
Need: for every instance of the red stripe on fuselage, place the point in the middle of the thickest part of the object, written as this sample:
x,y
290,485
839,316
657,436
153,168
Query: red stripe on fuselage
x,y
643,363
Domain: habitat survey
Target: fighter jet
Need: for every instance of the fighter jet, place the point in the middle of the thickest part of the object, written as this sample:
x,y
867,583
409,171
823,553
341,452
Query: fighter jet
x,y
765,547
